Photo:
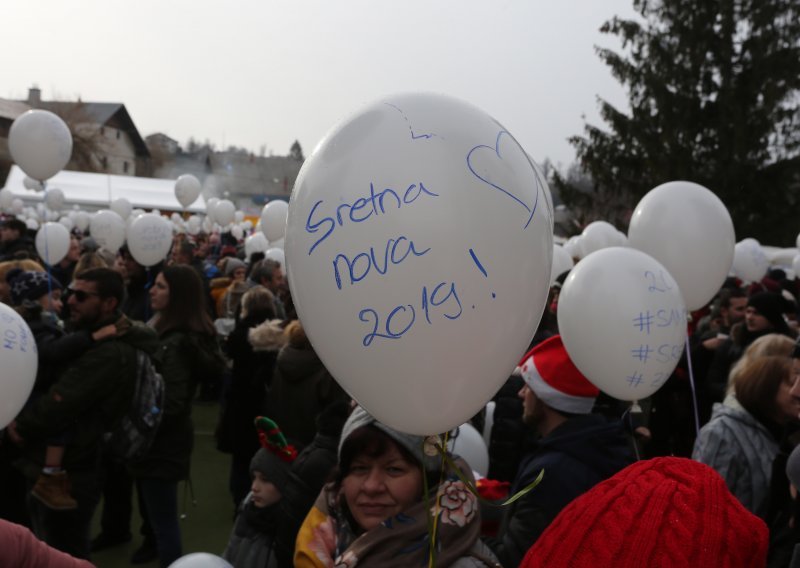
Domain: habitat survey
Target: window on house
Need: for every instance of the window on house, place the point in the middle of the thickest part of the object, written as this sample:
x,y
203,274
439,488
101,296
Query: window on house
x,y
125,167
104,162
102,131
118,134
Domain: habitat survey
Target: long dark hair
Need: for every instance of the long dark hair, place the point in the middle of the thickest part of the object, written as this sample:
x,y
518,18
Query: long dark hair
x,y
186,309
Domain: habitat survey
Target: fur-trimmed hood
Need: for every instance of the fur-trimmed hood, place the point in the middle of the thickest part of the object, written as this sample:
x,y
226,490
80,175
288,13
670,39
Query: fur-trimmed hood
x,y
267,336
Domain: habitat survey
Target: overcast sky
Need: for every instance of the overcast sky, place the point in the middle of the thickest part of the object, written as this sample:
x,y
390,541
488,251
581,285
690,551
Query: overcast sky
x,y
265,72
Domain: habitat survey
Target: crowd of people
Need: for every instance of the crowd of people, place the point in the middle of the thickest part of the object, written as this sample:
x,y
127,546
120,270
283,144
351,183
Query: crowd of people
x,y
701,475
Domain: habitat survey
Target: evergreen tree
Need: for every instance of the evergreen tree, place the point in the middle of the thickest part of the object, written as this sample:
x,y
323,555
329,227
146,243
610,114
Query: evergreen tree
x,y
296,152
714,95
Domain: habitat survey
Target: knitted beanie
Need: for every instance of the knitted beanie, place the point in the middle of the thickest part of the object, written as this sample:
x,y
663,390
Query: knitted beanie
x,y
771,306
556,381
275,457
29,285
360,418
659,512
232,264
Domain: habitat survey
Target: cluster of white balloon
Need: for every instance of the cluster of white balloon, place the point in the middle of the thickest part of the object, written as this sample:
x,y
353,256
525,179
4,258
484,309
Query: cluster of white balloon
x,y
41,144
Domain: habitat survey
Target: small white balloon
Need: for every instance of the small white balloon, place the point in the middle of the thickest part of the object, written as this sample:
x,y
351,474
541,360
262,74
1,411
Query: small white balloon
x,y
796,266
67,222
149,239
273,219
32,224
187,189
108,229
469,444
20,362
121,207
40,143
598,235
211,204
238,217
82,220
247,224
237,232
749,261
52,242
200,560
562,262
54,199
32,184
256,242
17,206
277,255
6,197
225,212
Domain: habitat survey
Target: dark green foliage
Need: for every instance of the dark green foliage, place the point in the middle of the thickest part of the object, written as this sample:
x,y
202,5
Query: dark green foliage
x,y
714,93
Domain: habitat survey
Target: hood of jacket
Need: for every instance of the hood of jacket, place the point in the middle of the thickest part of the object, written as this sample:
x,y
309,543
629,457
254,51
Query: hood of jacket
x,y
296,365
267,336
592,440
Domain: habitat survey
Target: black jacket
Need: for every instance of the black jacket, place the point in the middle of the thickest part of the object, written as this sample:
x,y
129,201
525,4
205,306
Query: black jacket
x,y
577,455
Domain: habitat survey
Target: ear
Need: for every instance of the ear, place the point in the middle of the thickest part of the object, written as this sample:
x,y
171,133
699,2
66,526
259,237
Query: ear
x,y
109,304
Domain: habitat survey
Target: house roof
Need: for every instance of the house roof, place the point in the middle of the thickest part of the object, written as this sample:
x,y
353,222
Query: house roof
x,y
12,109
97,191
111,114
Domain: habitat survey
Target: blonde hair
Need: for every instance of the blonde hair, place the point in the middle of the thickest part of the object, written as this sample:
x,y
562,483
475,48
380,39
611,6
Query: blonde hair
x,y
297,335
258,299
770,345
86,261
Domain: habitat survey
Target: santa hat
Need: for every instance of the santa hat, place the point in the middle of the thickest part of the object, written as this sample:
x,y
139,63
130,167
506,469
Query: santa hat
x,y
555,380
659,512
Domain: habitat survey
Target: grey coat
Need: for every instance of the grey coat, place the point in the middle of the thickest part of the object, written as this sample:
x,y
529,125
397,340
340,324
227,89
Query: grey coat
x,y
248,546
741,450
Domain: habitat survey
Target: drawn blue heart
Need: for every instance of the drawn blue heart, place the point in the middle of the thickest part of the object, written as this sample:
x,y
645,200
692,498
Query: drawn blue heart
x,y
510,150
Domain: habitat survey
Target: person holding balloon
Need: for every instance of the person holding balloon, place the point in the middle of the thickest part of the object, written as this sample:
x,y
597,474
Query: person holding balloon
x,y
37,298
378,509
576,450
93,391
187,354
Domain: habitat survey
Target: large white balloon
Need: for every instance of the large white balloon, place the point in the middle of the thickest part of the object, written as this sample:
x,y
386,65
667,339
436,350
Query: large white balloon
x,y
187,189
211,205
749,261
52,242
469,444
54,199
623,321
149,239
687,229
108,229
200,560
273,219
414,222
562,262
225,212
20,361
122,207
40,143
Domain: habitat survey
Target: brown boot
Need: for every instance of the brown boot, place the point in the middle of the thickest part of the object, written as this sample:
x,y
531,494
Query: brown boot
x,y
52,489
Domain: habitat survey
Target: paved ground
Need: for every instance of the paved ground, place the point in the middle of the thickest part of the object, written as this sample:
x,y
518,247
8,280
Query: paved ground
x,y
208,523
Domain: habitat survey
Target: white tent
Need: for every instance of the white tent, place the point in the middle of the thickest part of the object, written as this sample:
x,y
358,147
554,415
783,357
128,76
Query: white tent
x,y
97,191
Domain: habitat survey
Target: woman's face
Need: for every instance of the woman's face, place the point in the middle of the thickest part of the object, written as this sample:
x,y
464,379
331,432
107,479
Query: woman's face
x,y
381,487
788,398
159,294
239,274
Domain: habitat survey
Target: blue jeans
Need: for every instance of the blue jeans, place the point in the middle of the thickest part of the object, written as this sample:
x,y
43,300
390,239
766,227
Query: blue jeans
x,y
160,500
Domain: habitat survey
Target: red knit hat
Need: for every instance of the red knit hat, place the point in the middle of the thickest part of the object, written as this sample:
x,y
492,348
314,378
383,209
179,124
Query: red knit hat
x,y
660,512
556,381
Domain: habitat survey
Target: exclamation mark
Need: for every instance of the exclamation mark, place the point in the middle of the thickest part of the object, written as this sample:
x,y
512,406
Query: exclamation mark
x,y
481,268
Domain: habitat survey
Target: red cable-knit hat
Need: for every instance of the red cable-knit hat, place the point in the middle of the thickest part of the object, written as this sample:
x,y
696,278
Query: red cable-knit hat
x,y
662,512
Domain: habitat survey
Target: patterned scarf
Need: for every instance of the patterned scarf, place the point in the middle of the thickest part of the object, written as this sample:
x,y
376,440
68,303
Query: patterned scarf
x,y
327,538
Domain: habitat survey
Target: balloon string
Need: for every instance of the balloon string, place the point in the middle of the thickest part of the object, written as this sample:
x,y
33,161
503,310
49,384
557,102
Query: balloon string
x,y
694,389
433,528
49,268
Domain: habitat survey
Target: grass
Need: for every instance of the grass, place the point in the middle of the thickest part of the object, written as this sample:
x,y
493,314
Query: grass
x,y
208,520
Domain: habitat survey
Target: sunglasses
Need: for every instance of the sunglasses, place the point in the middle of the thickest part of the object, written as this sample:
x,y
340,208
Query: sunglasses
x,y
80,295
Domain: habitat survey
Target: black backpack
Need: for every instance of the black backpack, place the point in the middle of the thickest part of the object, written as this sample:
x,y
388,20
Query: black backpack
x,y
133,436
